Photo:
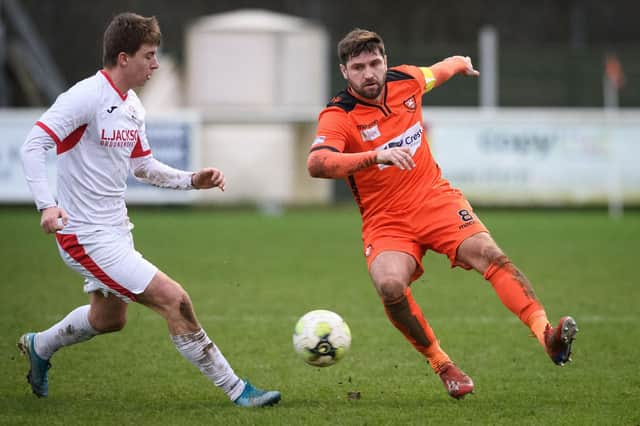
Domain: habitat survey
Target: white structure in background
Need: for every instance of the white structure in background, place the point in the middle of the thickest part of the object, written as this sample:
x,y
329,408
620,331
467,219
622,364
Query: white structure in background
x,y
164,92
256,77
256,61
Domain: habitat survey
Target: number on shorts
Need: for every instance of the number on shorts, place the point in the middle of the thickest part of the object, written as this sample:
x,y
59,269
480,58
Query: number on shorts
x,y
465,215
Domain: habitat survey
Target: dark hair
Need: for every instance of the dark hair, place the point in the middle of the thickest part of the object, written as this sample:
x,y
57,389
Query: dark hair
x,y
126,33
358,41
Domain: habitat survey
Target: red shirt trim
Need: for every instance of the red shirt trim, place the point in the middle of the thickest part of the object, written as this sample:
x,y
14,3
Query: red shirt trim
x,y
48,131
69,142
138,151
106,75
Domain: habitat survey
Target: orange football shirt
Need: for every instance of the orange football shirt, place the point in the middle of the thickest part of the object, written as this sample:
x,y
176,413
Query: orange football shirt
x,y
349,124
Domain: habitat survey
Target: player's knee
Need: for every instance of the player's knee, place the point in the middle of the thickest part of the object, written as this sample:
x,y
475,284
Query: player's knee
x,y
391,287
180,307
169,296
186,309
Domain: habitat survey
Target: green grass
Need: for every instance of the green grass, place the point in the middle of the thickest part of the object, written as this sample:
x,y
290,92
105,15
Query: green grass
x,y
251,276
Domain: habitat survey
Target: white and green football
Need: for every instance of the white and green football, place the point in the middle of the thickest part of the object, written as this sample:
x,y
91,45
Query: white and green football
x,y
321,338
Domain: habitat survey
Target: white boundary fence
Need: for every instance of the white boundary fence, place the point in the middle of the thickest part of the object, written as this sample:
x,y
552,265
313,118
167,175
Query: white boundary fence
x,y
562,157
511,157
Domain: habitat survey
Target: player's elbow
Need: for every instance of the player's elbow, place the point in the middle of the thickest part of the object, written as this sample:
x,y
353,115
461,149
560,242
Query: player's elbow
x,y
139,173
141,168
25,150
314,171
31,154
315,166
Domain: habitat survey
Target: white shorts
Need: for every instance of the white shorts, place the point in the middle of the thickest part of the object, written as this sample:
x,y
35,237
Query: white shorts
x,y
108,262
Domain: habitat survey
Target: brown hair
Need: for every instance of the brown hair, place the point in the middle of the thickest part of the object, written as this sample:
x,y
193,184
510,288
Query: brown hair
x,y
358,41
126,33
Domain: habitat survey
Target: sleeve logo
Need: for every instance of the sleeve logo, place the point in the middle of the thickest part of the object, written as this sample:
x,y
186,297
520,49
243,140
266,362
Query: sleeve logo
x,y
318,140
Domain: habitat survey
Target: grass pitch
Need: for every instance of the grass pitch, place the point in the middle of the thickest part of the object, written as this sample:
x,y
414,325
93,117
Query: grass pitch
x,y
251,276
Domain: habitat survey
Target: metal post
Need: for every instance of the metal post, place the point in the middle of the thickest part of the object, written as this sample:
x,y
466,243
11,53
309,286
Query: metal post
x,y
4,95
615,200
488,48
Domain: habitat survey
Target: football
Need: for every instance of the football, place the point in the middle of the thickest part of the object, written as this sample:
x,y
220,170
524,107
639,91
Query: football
x,y
321,338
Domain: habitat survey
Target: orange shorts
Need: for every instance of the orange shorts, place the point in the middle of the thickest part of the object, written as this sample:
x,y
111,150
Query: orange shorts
x,y
441,223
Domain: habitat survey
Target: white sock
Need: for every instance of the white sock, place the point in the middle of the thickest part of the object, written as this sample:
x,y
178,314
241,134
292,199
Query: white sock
x,y
204,354
74,328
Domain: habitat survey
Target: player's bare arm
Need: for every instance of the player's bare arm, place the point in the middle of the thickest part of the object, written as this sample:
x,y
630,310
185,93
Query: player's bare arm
x,y
447,68
53,219
325,163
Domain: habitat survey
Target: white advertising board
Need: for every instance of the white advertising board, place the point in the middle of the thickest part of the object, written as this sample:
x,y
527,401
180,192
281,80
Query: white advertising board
x,y
541,158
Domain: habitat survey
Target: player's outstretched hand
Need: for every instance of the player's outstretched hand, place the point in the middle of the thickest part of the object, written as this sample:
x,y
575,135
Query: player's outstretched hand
x,y
399,157
469,70
53,219
208,178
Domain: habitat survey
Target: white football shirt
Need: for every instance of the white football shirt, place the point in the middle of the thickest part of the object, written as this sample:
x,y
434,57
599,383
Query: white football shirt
x,y
96,131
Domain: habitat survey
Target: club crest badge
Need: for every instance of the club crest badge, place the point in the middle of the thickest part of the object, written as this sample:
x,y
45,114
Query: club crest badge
x,y
410,103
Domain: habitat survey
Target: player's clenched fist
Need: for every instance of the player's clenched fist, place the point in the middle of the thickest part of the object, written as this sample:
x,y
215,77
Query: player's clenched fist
x,y
53,219
208,178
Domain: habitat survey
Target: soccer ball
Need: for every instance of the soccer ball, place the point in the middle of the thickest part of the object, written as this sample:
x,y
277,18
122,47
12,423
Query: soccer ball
x,y
321,338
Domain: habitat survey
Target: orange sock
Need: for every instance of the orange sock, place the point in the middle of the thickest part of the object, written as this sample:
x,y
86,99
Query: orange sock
x,y
405,314
537,322
516,293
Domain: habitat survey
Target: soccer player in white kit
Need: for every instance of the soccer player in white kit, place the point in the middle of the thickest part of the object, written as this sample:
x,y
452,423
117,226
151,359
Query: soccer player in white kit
x,y
98,130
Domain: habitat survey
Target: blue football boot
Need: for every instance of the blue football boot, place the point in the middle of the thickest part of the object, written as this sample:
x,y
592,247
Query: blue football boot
x,y
254,397
38,367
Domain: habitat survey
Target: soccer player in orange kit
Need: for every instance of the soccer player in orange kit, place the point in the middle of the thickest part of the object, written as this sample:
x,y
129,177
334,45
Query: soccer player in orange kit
x,y
371,134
